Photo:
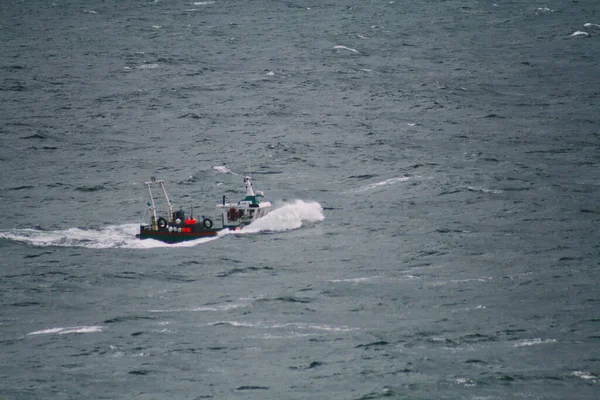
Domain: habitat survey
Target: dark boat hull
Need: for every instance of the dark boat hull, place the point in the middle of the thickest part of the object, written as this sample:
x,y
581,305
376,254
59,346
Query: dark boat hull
x,y
175,237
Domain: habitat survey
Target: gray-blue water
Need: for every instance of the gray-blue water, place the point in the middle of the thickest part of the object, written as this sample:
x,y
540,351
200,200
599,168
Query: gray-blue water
x,y
435,171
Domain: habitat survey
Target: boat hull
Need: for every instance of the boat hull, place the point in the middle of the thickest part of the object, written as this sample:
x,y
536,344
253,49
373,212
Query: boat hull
x,y
165,236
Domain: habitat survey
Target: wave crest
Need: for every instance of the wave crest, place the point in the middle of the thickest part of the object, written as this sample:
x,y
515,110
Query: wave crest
x,y
287,217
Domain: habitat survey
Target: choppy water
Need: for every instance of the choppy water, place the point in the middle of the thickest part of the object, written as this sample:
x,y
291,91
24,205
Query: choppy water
x,y
434,167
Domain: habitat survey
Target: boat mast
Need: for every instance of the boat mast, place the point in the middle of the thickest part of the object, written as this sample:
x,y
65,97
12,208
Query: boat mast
x,y
162,186
152,200
153,181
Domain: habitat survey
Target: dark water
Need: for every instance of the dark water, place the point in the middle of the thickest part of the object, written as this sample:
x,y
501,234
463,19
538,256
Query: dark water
x,y
434,167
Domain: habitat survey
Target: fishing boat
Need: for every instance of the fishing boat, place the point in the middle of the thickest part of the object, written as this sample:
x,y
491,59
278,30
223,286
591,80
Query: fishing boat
x,y
252,207
174,227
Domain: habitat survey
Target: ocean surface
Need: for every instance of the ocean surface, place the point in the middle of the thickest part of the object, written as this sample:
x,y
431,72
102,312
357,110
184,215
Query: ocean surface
x,y
434,167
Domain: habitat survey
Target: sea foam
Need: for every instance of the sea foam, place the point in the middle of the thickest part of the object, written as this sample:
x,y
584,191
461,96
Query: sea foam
x,y
533,342
287,217
64,331
377,185
346,48
114,236
223,169
580,33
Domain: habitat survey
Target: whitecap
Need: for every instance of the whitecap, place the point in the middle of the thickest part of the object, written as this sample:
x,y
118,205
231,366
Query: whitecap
x,y
148,66
67,330
82,329
483,279
484,190
479,307
223,169
288,330
328,328
302,326
309,326
163,330
580,33
354,280
215,308
237,324
46,331
590,25
465,381
346,48
533,342
585,375
202,3
179,310
376,185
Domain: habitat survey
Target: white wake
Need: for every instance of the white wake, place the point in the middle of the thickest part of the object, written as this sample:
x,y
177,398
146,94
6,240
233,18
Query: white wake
x,y
114,236
286,217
